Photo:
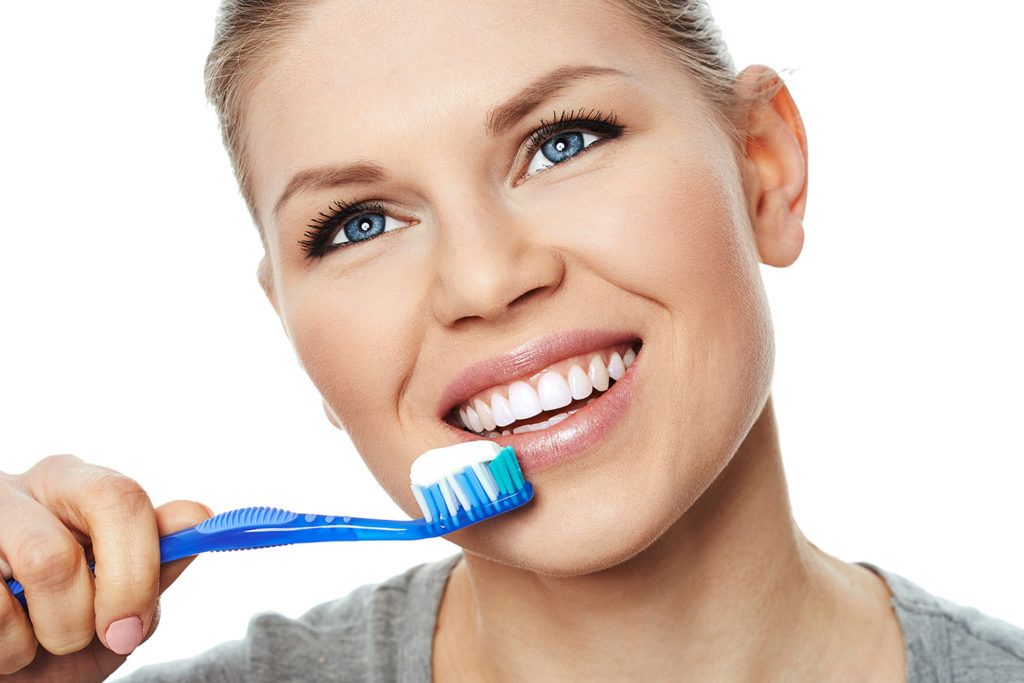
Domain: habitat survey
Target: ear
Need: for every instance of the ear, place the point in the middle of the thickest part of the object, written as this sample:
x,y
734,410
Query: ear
x,y
775,170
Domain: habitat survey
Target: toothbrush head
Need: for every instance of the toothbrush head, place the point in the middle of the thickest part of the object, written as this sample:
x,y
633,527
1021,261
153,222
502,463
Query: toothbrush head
x,y
467,483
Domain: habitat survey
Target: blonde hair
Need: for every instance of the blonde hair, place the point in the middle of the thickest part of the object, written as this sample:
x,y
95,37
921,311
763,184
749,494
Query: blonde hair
x,y
250,31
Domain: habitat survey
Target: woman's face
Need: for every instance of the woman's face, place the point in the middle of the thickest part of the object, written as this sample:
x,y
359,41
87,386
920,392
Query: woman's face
x,y
489,193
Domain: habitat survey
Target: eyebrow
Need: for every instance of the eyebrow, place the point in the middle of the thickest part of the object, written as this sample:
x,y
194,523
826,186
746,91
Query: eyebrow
x,y
499,119
505,115
326,177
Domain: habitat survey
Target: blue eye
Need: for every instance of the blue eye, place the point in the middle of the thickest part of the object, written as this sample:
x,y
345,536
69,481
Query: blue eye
x,y
366,226
345,224
363,226
559,148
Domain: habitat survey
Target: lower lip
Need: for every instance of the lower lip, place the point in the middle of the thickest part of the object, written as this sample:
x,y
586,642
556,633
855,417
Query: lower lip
x,y
571,437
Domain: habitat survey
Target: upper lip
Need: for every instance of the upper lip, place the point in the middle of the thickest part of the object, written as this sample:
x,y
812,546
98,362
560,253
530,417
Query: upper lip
x,y
523,361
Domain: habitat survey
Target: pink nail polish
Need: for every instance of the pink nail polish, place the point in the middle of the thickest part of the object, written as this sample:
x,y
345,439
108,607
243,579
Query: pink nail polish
x,y
124,635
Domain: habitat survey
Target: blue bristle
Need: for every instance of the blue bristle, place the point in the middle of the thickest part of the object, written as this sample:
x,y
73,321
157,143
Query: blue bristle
x,y
513,467
499,468
479,494
435,501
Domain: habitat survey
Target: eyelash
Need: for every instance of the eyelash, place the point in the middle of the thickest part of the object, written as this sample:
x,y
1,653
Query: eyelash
x,y
318,238
592,121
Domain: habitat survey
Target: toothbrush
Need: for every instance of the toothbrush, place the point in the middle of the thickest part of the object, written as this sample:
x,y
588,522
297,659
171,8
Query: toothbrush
x,y
455,486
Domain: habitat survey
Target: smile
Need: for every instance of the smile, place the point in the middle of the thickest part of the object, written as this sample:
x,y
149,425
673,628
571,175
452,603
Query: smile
x,y
545,398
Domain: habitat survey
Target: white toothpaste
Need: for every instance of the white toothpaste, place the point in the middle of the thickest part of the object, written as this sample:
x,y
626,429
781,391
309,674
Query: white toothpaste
x,y
438,463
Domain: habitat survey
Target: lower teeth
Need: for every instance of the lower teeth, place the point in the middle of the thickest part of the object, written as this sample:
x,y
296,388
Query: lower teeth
x,y
522,429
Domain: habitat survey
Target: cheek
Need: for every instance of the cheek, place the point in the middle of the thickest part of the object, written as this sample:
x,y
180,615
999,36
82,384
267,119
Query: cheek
x,y
677,233
356,342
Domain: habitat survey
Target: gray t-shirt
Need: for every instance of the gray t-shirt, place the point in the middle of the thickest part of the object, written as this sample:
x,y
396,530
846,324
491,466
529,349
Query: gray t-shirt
x,y
384,633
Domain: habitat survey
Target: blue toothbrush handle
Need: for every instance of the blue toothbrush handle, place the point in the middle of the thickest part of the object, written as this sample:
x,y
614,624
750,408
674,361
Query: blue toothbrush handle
x,y
263,527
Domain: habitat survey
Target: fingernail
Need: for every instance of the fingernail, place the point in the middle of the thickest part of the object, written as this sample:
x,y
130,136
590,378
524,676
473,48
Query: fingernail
x,y
124,635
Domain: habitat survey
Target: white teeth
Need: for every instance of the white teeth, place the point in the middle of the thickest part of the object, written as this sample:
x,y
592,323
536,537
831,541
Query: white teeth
x,y
484,411
579,383
553,391
474,420
523,400
616,368
501,411
598,373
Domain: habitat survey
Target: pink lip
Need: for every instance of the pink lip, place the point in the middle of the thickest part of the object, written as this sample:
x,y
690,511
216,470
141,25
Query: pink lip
x,y
569,438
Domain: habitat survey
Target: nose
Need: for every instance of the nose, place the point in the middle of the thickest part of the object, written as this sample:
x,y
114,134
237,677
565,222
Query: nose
x,y
490,264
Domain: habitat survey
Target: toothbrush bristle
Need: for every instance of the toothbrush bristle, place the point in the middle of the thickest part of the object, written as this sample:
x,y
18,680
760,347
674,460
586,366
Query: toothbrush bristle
x,y
474,492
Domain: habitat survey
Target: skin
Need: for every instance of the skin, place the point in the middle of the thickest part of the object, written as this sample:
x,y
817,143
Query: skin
x,y
665,550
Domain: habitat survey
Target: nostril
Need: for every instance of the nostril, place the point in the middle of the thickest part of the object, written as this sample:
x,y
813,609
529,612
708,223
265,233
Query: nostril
x,y
526,296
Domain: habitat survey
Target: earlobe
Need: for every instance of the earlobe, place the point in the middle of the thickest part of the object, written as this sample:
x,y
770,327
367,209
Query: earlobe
x,y
775,172
331,416
266,279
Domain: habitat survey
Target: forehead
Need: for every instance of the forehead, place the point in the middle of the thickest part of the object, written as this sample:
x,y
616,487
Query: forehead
x,y
354,70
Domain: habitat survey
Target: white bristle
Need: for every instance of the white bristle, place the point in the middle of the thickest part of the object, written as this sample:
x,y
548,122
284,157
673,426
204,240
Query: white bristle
x,y
449,497
483,474
421,501
459,492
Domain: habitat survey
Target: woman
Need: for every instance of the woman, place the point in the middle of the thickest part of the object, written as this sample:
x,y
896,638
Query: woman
x,y
486,247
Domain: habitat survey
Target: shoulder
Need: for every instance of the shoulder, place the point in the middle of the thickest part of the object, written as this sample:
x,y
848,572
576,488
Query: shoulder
x,y
945,641
379,632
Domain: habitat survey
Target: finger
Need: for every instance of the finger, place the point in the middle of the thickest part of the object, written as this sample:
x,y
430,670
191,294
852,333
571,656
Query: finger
x,y
50,565
116,514
5,569
172,517
17,641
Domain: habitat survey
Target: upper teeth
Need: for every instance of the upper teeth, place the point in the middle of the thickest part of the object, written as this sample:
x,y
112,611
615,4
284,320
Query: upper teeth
x,y
501,406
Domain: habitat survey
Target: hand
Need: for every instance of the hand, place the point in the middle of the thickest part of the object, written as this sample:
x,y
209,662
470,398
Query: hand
x,y
54,519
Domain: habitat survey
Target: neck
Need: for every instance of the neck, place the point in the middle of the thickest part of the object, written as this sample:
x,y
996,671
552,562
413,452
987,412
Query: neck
x,y
720,596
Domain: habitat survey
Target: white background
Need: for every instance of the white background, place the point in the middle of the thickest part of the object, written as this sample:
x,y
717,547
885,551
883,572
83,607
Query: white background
x,y
134,335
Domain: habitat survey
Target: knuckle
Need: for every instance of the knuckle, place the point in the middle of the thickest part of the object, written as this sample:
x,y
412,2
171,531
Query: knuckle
x,y
46,560
56,462
137,580
119,492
